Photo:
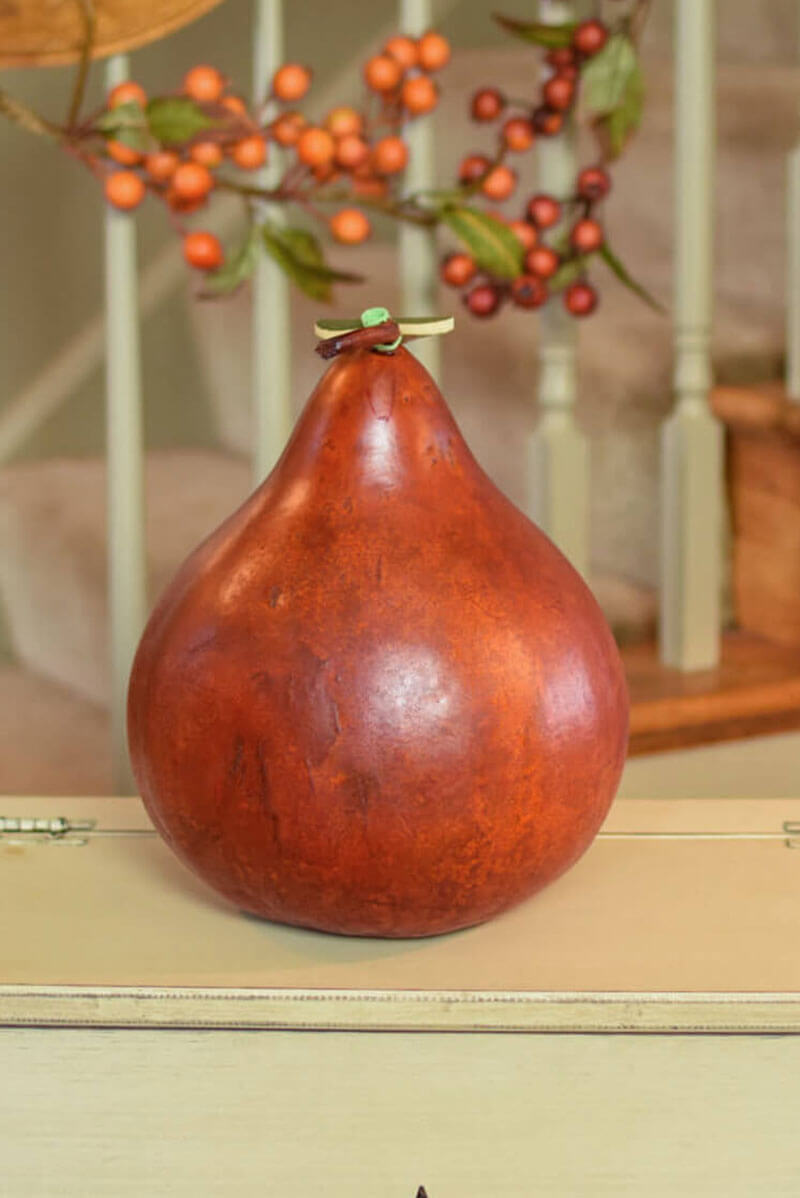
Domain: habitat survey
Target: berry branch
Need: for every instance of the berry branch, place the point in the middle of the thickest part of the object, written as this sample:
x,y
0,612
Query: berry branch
x,y
182,149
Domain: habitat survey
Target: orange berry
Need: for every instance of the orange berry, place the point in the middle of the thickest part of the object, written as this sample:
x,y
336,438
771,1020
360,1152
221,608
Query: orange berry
x,y
315,146
286,129
325,173
203,251
499,183
351,151
122,154
127,93
291,81
419,94
404,49
383,73
518,134
161,165
369,187
207,153
250,153
124,189
192,181
341,121
434,51
234,104
350,226
524,231
182,204
389,156
204,84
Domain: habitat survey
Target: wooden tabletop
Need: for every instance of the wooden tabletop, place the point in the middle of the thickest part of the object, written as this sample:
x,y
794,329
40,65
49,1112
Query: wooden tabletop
x,y
684,915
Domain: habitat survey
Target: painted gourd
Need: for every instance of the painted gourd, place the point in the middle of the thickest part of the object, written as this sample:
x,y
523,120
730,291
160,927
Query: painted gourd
x,y
377,700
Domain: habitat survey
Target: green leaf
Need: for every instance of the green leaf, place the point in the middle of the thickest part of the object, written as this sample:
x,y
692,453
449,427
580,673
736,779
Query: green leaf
x,y
612,86
174,119
492,244
300,255
236,270
552,37
614,264
129,115
126,123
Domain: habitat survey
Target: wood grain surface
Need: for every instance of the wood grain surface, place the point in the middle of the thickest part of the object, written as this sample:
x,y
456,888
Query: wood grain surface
x,y
115,1114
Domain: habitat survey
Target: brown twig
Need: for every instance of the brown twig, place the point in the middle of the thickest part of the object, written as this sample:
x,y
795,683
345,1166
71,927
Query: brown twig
x,y
368,338
26,118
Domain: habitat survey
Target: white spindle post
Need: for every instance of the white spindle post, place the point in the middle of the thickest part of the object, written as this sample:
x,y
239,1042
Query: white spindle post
x,y
691,461
272,395
125,461
558,459
417,246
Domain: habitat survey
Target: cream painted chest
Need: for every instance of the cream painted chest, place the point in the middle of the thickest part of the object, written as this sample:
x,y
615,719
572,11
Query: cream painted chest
x,y
633,1030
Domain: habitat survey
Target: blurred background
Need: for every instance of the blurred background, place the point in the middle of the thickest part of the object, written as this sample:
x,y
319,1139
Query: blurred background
x,y
54,679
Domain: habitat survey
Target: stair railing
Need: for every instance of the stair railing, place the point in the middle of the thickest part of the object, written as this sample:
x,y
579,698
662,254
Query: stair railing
x,y
691,501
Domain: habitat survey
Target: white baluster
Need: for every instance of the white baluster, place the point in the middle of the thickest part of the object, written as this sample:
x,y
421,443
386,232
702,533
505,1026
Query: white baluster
x,y
125,460
691,462
272,394
558,457
417,246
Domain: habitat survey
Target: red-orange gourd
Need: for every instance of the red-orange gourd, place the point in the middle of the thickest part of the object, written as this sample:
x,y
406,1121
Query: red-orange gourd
x,y
377,700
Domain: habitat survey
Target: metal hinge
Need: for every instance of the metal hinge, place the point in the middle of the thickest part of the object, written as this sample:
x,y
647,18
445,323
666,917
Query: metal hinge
x,y
23,830
792,829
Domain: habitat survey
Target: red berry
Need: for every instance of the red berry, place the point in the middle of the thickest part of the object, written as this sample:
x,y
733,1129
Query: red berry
x,y
593,183
586,235
544,211
458,269
487,104
528,291
518,134
580,299
563,56
546,121
524,231
483,300
558,93
473,167
202,251
499,183
590,37
542,261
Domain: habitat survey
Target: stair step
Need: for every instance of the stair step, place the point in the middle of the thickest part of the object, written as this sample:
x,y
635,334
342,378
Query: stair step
x,y
53,551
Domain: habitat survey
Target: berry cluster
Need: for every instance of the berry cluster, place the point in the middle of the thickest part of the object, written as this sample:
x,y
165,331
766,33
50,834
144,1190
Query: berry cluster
x,y
546,267
363,150
184,148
